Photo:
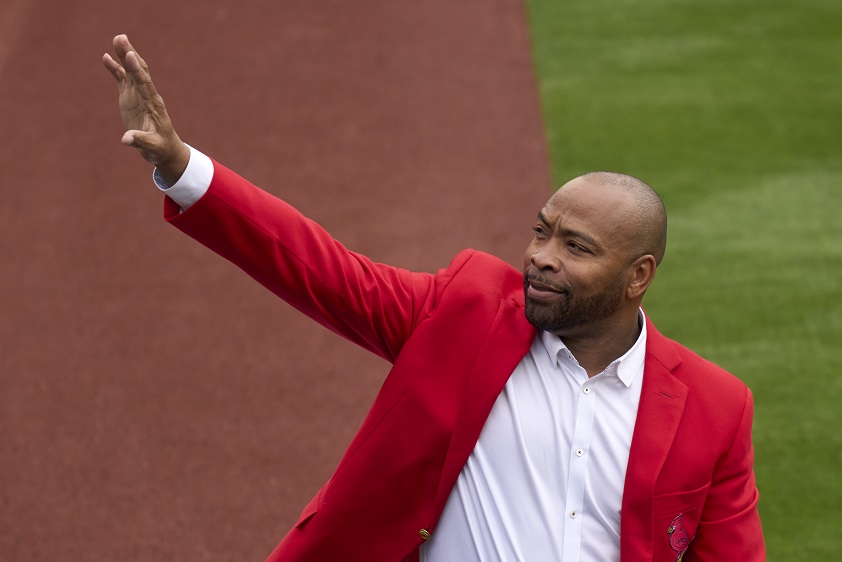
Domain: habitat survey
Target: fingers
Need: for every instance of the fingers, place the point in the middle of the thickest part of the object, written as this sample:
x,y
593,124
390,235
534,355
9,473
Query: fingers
x,y
129,57
114,68
131,67
148,126
122,46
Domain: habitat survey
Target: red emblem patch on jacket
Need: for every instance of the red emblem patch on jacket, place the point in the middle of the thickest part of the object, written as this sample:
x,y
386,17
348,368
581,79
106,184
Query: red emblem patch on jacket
x,y
679,540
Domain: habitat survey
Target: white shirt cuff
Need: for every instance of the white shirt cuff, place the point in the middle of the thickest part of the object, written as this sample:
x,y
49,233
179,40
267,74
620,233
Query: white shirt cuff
x,y
192,184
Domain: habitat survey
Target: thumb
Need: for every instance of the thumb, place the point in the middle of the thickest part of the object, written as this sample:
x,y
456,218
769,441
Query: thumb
x,y
137,139
168,153
151,146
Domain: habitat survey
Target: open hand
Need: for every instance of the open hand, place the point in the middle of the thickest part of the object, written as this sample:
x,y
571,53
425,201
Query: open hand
x,y
148,126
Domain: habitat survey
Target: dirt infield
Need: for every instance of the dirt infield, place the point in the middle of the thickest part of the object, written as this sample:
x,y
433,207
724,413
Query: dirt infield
x,y
156,403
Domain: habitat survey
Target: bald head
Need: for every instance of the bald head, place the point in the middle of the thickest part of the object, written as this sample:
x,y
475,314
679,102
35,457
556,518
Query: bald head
x,y
597,243
647,225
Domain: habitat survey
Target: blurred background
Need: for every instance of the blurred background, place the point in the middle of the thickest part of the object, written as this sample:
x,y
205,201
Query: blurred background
x,y
157,404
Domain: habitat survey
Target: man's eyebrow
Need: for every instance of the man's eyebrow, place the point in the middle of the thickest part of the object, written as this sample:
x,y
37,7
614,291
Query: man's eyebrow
x,y
587,238
580,235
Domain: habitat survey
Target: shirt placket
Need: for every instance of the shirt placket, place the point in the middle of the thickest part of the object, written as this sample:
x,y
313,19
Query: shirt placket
x,y
577,469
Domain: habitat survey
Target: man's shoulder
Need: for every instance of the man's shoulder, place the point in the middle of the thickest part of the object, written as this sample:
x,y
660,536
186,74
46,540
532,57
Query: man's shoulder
x,y
476,259
477,276
716,400
695,371
473,265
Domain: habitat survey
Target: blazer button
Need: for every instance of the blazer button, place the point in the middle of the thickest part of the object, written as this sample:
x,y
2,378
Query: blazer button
x,y
425,534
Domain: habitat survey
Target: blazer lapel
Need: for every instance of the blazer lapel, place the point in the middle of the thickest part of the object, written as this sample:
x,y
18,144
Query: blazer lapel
x,y
508,341
662,401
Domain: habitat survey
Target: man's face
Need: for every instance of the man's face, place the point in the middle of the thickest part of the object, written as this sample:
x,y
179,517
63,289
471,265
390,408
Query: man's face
x,y
576,268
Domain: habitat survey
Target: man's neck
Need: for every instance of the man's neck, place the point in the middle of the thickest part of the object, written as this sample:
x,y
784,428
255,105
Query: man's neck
x,y
596,349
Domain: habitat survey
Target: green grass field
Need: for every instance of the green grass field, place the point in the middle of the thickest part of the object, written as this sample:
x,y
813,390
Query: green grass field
x,y
730,109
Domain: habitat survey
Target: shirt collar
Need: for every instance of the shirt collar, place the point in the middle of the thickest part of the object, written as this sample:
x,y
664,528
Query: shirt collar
x,y
627,367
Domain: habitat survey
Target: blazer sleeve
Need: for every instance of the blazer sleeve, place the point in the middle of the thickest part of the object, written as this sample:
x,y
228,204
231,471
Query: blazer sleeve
x,y
371,304
729,528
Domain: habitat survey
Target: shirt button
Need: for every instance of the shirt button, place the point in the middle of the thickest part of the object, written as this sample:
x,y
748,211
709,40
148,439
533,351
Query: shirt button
x,y
579,452
586,390
573,515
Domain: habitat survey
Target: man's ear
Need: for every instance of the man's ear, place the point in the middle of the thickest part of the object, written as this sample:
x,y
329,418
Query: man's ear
x,y
642,272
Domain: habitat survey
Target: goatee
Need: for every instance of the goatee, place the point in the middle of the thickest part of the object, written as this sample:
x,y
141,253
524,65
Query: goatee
x,y
569,311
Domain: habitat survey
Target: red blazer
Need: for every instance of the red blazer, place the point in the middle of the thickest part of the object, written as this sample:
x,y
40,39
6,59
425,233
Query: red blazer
x,y
454,338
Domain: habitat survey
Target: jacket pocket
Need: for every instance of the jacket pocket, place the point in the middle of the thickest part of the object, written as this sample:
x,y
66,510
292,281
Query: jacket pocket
x,y
676,517
673,504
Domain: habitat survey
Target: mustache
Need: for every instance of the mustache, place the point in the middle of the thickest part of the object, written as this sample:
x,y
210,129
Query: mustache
x,y
529,278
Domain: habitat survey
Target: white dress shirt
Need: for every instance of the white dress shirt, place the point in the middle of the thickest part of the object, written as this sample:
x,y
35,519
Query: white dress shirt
x,y
545,479
192,184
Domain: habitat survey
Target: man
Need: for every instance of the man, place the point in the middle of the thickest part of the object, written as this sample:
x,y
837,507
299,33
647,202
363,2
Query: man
x,y
528,416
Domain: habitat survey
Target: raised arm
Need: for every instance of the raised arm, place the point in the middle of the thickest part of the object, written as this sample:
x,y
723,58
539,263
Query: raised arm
x,y
373,305
148,125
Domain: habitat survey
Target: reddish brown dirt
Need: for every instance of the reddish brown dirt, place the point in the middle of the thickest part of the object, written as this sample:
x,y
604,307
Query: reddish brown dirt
x,y
155,403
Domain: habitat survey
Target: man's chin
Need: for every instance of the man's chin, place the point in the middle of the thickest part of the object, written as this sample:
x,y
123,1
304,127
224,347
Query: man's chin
x,y
539,315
